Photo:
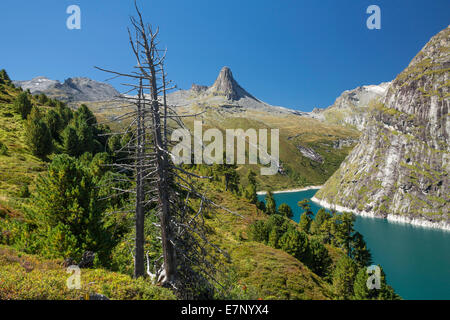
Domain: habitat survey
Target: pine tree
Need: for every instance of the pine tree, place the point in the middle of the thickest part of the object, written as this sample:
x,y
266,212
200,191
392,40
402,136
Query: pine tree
x,y
343,277
285,210
70,141
250,190
67,205
305,222
320,260
321,216
359,251
295,243
271,205
37,134
54,123
23,105
42,98
362,291
4,77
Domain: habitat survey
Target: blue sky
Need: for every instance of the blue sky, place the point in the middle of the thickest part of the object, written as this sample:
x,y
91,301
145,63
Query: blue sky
x,y
297,54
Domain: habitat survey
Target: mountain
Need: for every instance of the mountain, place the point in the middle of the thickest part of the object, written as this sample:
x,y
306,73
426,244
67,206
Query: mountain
x,y
351,107
399,169
73,89
225,92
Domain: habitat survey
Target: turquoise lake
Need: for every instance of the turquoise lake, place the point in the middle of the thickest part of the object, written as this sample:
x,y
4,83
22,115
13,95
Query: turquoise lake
x,y
416,260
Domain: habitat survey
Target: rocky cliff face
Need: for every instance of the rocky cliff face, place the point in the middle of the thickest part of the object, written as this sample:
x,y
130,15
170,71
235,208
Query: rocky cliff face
x,y
351,107
400,167
73,89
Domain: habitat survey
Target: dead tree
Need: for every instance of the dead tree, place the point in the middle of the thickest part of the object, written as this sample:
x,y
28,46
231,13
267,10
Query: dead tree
x,y
189,261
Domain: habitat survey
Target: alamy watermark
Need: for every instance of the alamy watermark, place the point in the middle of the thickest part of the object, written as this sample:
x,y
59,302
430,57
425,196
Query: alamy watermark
x,y
74,20
374,280
374,20
74,281
209,147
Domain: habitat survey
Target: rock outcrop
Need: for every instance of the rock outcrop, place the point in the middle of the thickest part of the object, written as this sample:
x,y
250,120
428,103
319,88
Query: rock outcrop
x,y
400,167
310,153
227,93
351,107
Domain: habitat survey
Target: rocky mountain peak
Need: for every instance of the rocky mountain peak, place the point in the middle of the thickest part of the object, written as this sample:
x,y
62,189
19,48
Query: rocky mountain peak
x,y
226,85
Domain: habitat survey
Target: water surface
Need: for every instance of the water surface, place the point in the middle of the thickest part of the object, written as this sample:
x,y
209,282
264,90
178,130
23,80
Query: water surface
x,y
416,259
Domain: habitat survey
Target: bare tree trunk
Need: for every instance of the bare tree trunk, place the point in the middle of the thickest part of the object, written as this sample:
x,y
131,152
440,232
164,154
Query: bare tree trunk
x,y
161,187
167,236
139,263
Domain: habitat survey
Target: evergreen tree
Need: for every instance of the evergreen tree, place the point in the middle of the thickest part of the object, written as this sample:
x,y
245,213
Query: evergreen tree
x,y
37,134
343,277
84,114
69,212
320,260
250,190
259,232
4,77
321,216
65,113
85,136
274,236
23,105
343,231
306,217
295,243
42,98
362,291
53,121
285,210
271,205
251,178
250,193
359,252
70,141
305,222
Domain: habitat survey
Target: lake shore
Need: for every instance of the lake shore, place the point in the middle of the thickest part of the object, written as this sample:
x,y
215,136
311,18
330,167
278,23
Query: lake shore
x,y
290,190
390,217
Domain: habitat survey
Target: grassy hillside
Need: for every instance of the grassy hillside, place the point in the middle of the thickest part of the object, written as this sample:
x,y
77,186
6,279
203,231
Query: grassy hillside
x,y
17,165
270,273
254,271
295,131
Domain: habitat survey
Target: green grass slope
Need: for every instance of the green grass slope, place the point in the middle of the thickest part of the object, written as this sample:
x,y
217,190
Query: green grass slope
x,y
295,131
261,271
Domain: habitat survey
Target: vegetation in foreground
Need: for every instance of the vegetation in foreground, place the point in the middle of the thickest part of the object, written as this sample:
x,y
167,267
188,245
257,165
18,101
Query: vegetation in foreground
x,y
60,211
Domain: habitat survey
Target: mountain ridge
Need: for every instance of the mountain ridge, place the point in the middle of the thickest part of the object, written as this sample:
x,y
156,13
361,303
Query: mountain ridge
x,y
72,89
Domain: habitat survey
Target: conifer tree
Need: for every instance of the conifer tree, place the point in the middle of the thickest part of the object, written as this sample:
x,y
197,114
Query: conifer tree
x,y
285,210
271,205
70,141
343,277
37,134
23,105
